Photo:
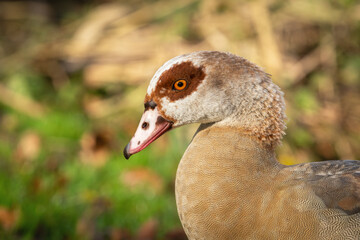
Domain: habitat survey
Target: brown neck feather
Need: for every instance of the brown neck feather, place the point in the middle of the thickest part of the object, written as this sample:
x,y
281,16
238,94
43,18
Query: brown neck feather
x,y
234,145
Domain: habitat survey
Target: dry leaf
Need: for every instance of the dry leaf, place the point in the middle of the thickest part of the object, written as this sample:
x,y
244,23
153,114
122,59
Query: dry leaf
x,y
95,147
28,147
148,230
176,234
9,217
120,234
142,177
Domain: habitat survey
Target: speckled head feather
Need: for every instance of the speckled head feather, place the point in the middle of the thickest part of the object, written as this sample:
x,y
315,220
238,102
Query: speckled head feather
x,y
223,89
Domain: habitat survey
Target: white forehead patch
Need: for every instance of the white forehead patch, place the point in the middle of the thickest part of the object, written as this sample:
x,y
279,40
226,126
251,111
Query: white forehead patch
x,y
176,60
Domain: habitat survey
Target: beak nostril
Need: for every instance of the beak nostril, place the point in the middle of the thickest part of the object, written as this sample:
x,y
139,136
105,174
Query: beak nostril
x,y
145,125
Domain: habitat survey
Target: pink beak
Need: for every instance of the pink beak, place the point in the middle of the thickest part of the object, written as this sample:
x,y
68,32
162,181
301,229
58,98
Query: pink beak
x,y
152,125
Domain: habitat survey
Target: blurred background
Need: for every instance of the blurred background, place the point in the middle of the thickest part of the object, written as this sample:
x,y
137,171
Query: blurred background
x,y
73,75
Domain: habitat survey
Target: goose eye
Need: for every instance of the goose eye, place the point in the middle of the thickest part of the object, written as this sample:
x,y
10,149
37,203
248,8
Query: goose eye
x,y
179,85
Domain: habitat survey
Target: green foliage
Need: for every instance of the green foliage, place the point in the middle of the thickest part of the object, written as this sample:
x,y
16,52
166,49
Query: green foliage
x,y
305,100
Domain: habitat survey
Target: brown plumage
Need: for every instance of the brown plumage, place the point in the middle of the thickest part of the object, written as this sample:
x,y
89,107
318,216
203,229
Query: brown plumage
x,y
229,184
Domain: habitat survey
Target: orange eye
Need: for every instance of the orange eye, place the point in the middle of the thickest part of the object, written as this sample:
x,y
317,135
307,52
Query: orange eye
x,y
180,85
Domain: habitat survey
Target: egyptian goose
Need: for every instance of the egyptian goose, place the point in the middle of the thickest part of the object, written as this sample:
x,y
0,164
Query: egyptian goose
x,y
229,184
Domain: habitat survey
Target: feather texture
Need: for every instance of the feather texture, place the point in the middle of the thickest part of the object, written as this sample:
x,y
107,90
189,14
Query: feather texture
x,y
229,184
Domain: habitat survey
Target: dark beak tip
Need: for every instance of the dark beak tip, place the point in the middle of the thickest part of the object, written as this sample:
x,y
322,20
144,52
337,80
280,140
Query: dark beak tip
x,y
126,151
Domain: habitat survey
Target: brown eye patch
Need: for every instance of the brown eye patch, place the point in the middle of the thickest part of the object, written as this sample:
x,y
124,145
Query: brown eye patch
x,y
183,77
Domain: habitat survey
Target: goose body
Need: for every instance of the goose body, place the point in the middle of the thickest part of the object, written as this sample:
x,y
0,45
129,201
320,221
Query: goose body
x,y
229,184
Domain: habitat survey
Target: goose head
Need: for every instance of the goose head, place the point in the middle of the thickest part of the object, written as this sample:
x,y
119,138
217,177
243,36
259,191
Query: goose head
x,y
211,87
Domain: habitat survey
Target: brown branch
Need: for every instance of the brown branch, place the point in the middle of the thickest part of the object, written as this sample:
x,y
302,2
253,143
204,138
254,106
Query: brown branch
x,y
21,103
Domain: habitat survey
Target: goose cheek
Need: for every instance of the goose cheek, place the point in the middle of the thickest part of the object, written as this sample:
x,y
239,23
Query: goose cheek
x,y
152,125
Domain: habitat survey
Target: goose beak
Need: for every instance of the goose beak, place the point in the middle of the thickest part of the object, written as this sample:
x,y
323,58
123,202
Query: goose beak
x,y
152,125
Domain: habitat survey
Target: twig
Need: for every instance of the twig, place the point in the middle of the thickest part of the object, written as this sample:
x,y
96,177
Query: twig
x,y
262,22
21,103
